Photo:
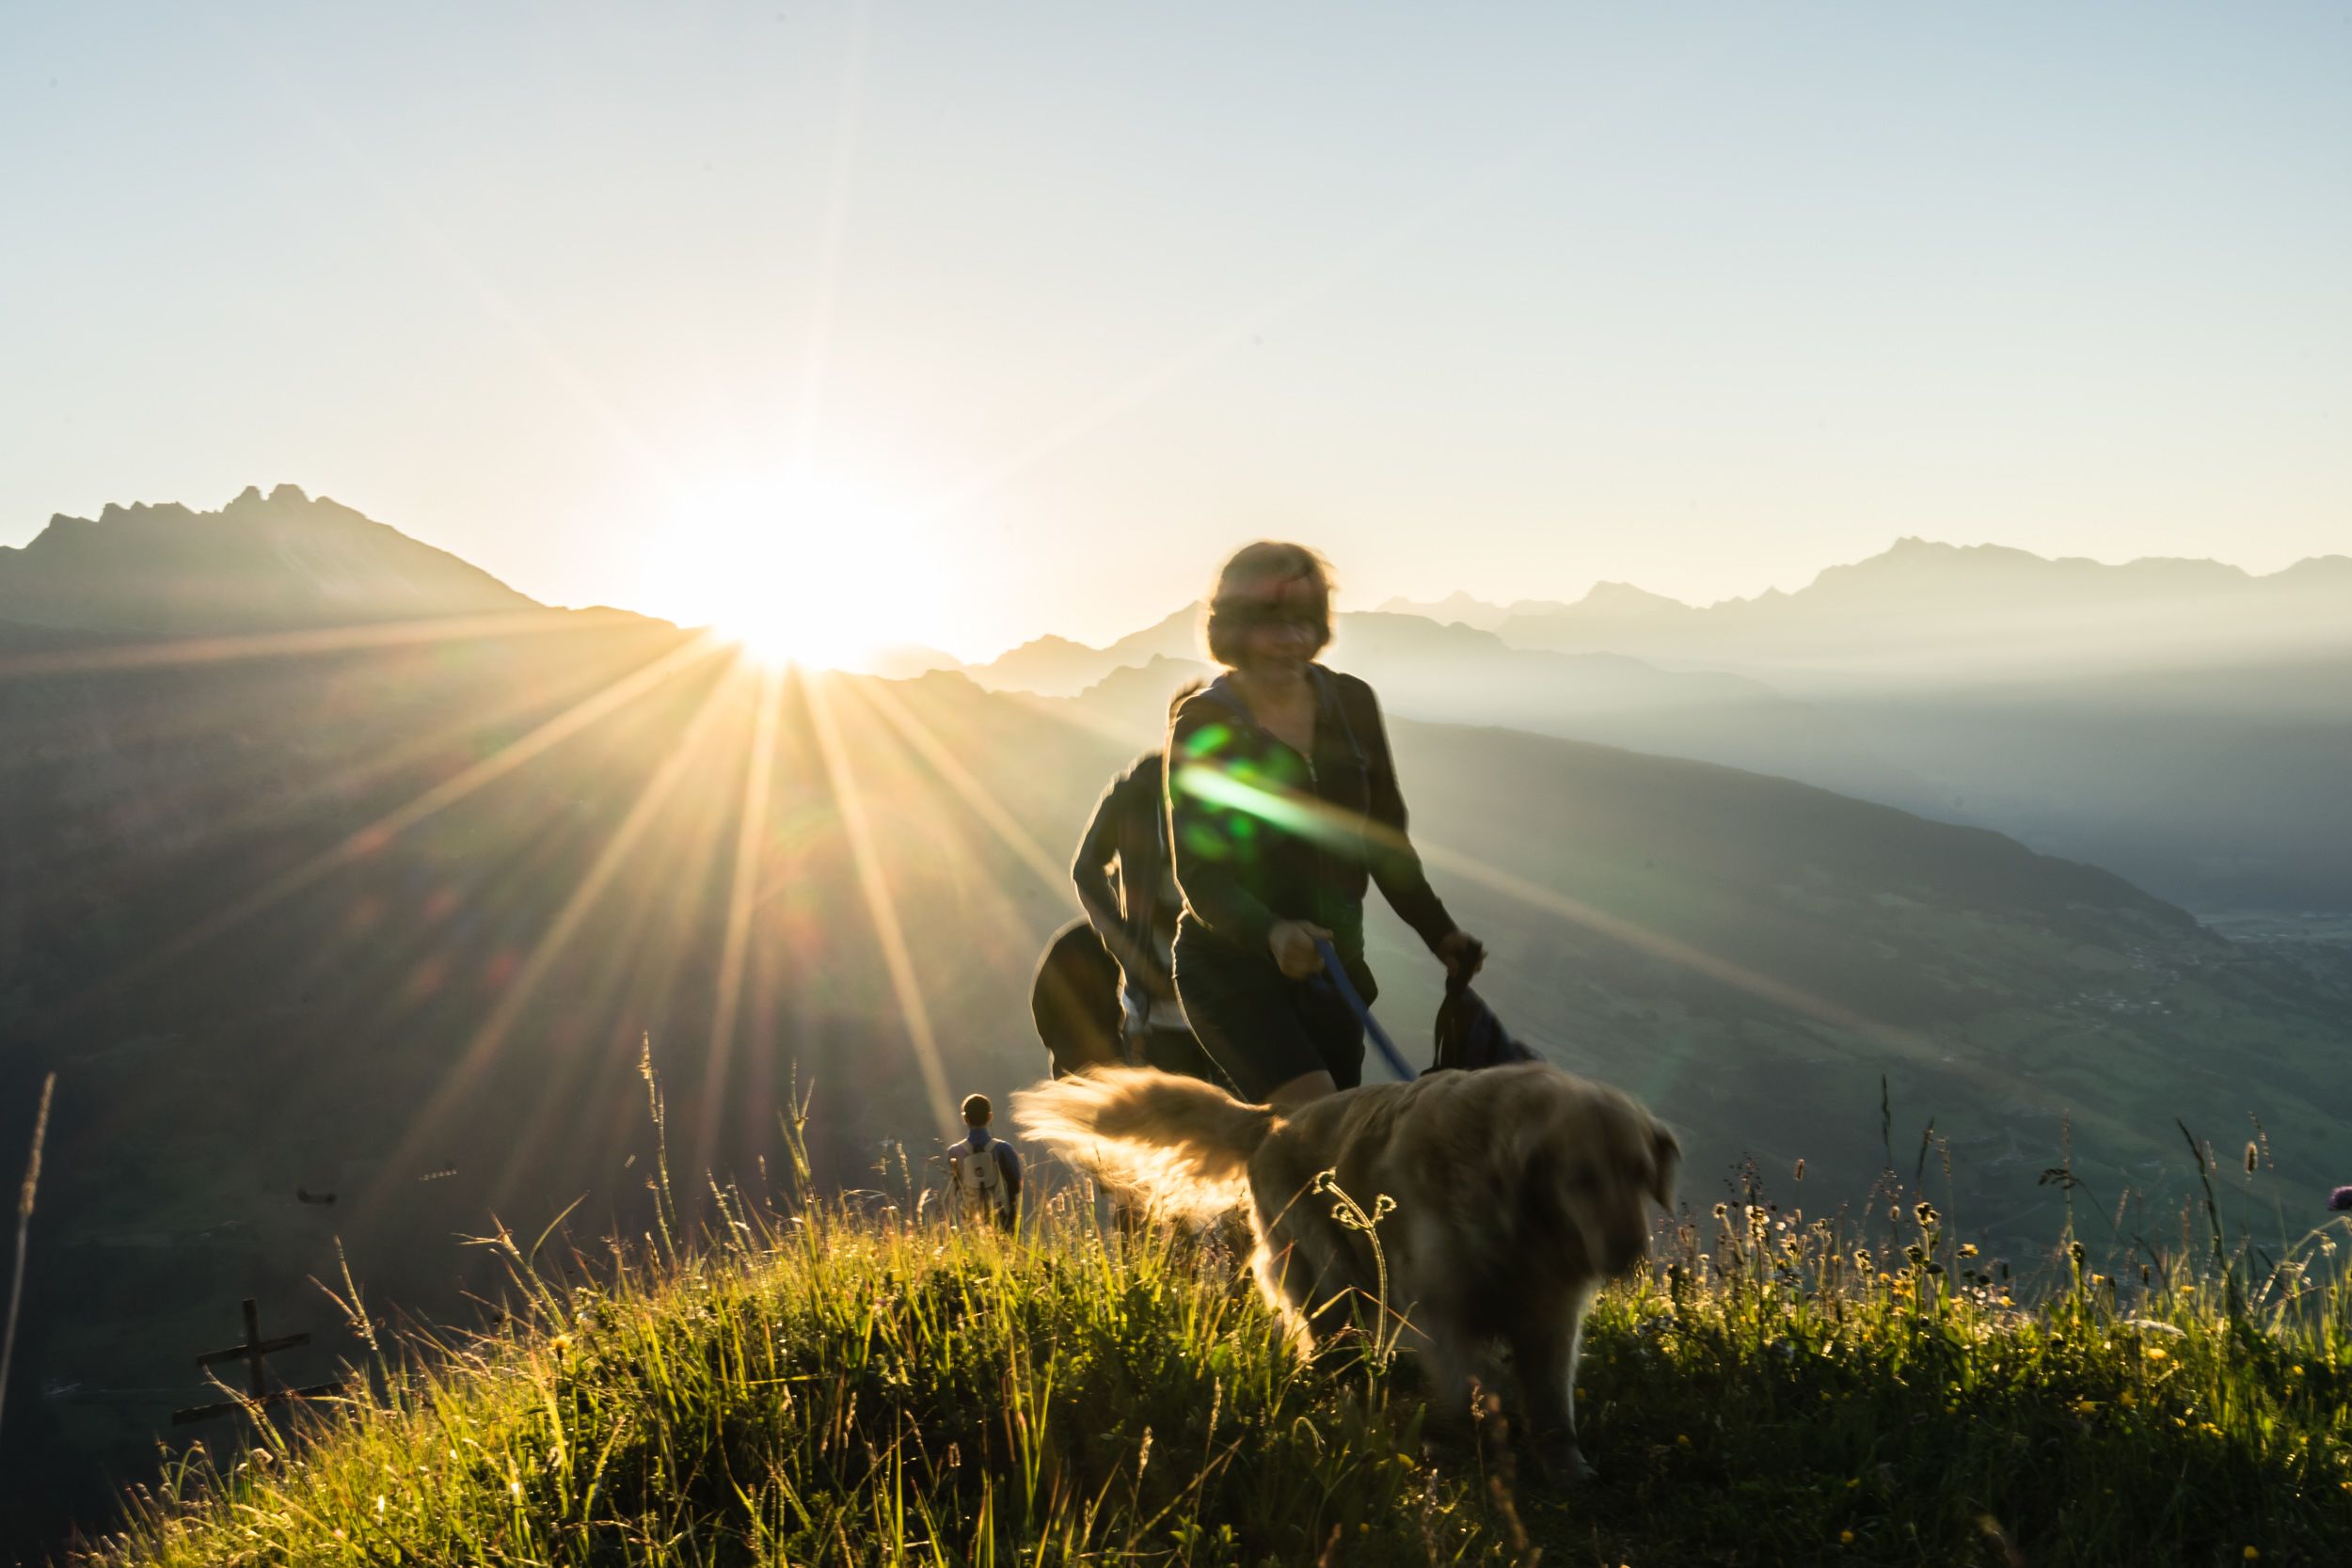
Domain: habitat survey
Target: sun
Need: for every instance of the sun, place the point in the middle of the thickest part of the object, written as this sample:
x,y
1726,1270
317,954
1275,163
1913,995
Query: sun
x,y
798,570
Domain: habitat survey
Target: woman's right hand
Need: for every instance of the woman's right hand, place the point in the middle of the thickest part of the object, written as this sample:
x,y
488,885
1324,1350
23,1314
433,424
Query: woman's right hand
x,y
1293,942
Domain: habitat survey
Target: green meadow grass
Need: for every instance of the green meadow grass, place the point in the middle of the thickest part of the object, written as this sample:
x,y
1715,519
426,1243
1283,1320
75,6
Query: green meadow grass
x,y
851,1381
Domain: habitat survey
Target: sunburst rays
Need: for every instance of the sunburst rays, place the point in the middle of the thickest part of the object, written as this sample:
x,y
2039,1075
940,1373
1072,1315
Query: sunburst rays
x,y
463,1077
380,832
181,651
759,768
882,906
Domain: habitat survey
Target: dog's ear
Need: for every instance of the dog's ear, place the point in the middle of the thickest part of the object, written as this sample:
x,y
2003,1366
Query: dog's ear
x,y
1666,1150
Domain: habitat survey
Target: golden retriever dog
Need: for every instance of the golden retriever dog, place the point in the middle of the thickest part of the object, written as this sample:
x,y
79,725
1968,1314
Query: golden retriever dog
x,y
1501,1199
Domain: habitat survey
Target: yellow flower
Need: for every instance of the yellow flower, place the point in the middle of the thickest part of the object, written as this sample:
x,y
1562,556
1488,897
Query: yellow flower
x,y
1682,1440
2251,1554
1852,1484
1845,1538
2129,1401
2084,1407
2295,1370
2155,1353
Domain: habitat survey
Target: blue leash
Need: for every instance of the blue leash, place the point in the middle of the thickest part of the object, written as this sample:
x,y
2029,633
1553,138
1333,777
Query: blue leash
x,y
1337,973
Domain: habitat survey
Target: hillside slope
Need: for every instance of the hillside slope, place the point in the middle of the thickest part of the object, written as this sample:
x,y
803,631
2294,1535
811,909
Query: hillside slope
x,y
842,1387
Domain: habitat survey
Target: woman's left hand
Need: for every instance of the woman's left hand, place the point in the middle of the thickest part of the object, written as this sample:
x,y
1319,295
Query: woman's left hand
x,y
1462,954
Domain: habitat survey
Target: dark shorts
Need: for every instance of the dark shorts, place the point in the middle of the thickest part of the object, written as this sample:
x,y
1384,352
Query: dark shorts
x,y
1262,1027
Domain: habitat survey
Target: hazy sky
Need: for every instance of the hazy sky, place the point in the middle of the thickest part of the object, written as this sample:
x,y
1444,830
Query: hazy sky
x,y
1055,302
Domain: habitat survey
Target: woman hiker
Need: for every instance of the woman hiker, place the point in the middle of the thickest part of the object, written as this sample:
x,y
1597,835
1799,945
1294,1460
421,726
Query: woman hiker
x,y
1284,806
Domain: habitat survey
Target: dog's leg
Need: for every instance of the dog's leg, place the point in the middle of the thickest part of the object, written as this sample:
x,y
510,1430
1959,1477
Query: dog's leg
x,y
1270,1262
1548,1348
1450,1364
1306,1267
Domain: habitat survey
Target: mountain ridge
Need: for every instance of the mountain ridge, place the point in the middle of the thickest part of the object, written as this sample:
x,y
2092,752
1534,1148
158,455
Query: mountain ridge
x,y
1907,551
260,563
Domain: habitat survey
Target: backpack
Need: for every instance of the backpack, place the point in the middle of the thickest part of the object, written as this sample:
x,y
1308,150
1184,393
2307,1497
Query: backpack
x,y
981,1178
1469,1036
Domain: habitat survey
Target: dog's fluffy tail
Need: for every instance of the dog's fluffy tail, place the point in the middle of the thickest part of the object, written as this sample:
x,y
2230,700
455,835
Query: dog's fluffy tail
x,y
1180,1145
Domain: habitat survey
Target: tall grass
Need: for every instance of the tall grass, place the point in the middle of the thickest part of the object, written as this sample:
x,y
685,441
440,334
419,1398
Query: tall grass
x,y
847,1381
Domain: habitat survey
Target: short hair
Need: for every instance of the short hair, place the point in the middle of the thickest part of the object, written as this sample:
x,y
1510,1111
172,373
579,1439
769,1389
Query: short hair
x,y
977,1110
1255,575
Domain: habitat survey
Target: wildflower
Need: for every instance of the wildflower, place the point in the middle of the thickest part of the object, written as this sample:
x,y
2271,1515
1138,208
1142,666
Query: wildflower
x,y
1682,1440
2154,1353
2130,1400
2084,1407
1852,1482
1845,1538
2251,1554
2295,1370
1967,1249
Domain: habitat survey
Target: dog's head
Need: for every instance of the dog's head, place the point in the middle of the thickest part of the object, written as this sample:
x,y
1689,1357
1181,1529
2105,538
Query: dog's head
x,y
1596,1163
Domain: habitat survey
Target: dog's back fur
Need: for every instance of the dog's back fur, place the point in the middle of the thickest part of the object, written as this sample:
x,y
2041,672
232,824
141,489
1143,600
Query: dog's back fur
x,y
1516,1191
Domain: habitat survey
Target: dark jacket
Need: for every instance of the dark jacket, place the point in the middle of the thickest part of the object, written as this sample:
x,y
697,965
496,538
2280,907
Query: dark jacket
x,y
1262,833
1129,826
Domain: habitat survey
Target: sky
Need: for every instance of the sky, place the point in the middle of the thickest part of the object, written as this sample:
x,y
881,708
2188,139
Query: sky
x,y
958,323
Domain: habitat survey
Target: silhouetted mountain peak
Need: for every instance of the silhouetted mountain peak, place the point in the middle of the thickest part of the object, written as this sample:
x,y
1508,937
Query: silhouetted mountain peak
x,y
1455,608
1624,599
261,563
2318,569
1913,560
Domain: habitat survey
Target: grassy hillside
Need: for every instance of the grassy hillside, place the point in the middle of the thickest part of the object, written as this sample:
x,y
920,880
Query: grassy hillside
x,y
852,1383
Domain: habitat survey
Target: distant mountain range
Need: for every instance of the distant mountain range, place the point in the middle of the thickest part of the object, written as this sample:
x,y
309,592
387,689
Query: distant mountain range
x,y
1923,610
2182,722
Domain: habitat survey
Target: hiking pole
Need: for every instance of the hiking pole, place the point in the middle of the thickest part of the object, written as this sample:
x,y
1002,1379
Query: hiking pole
x,y
1337,972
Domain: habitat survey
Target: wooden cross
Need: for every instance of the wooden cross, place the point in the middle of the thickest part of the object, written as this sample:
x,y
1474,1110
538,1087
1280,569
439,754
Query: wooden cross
x,y
251,1352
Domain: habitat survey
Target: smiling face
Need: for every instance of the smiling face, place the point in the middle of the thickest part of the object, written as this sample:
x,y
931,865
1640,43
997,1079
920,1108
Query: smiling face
x,y
1272,610
1279,638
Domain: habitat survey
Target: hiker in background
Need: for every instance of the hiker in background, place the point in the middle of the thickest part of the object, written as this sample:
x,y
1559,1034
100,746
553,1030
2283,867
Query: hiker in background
x,y
1283,805
983,1172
